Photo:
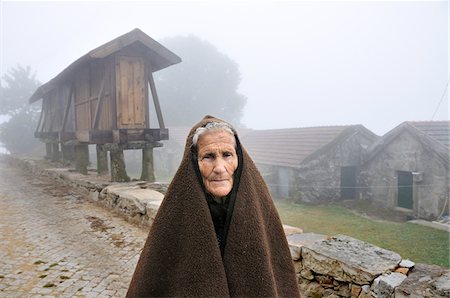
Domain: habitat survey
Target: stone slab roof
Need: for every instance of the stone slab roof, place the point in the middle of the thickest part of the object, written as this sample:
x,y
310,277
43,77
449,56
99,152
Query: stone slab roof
x,y
434,136
438,130
289,147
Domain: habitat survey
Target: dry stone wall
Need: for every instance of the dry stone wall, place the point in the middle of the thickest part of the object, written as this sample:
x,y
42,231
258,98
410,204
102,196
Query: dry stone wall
x,y
338,266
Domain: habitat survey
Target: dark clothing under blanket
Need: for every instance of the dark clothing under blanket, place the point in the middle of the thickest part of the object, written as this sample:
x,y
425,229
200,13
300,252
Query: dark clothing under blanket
x,y
182,256
219,211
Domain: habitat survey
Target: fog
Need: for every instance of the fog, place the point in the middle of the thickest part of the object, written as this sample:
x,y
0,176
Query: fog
x,y
302,63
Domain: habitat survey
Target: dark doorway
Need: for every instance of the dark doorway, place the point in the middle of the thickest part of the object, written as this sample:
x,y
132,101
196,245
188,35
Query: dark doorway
x,y
348,183
405,190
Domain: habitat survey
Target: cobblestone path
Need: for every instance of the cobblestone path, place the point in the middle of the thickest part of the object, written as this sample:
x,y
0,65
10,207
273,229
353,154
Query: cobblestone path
x,y
54,243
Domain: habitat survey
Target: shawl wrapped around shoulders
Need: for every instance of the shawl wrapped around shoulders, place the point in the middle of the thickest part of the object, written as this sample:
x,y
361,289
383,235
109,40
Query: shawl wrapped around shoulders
x,y
181,257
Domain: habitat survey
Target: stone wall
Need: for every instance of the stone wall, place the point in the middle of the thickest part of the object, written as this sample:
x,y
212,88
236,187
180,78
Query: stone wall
x,y
338,266
342,266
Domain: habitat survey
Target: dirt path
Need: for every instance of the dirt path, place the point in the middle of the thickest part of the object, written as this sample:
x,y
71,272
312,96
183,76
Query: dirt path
x,y
54,243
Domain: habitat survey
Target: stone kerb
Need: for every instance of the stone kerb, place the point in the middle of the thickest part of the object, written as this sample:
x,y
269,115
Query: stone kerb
x,y
135,200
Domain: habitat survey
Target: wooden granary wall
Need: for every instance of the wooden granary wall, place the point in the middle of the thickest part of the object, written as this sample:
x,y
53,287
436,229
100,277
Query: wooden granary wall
x,y
104,98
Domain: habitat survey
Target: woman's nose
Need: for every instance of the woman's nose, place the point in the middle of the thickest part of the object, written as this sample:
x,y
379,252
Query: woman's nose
x,y
219,165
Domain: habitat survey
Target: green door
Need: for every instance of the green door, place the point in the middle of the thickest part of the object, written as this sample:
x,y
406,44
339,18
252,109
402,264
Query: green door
x,y
405,190
348,183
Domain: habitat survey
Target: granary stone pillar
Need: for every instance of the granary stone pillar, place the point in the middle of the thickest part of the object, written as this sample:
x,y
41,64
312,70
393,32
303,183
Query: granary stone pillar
x,y
48,151
81,158
118,171
68,153
55,152
102,160
147,165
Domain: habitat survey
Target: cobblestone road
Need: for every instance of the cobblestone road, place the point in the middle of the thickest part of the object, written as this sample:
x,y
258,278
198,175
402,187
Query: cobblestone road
x,y
54,243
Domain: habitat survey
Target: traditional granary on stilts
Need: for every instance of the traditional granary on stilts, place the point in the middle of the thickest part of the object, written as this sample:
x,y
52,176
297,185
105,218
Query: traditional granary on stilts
x,y
103,98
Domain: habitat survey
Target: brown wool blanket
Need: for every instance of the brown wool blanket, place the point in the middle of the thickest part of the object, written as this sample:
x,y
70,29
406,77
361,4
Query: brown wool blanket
x,y
181,257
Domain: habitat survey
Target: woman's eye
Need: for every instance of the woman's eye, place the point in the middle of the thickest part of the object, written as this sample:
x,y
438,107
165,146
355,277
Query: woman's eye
x,y
228,154
208,156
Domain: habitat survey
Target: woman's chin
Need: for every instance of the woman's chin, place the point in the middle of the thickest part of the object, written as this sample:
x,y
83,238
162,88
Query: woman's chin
x,y
219,192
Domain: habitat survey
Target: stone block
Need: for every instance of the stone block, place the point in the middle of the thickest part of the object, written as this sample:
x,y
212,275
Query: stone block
x,y
290,230
93,195
365,295
384,285
325,281
344,290
348,259
424,281
297,241
355,290
132,199
365,289
406,263
402,270
298,266
442,284
311,289
307,274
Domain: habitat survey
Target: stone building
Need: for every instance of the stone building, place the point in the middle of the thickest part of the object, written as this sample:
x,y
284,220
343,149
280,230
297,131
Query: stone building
x,y
408,169
310,164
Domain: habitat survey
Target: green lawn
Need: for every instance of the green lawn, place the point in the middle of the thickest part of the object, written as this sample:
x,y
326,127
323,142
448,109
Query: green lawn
x,y
417,243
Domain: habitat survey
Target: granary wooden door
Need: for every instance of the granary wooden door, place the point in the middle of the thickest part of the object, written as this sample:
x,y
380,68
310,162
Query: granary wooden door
x,y
131,92
405,190
348,183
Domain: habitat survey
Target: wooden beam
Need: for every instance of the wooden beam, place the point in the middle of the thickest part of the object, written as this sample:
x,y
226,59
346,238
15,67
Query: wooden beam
x,y
44,110
52,120
147,70
82,136
66,112
88,100
49,137
98,109
113,64
156,100
67,136
40,118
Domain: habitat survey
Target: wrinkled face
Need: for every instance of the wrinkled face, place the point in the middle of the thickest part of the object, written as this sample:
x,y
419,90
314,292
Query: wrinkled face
x,y
217,160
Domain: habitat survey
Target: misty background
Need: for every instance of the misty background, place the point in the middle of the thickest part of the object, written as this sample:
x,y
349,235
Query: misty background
x,y
302,63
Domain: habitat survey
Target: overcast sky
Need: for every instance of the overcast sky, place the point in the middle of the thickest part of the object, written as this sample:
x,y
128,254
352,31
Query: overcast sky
x,y
303,63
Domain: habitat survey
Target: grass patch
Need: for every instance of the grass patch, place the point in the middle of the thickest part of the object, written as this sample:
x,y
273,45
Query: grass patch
x,y
2,276
63,277
417,243
39,262
43,276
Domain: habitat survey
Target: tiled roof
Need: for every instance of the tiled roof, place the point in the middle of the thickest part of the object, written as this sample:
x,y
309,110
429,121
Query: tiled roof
x,y
432,134
288,147
438,130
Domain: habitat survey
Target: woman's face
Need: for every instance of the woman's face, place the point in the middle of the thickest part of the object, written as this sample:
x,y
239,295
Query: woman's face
x,y
217,160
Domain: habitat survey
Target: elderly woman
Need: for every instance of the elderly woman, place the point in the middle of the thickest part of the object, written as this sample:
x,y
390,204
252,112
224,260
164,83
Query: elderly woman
x,y
217,232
